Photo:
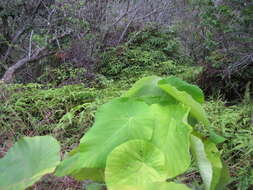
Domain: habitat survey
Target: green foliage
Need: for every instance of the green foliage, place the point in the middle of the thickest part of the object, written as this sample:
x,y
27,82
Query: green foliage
x,y
125,63
158,186
27,161
193,90
11,8
34,109
94,186
186,97
235,124
150,52
138,144
134,118
208,160
40,101
153,39
232,122
40,39
62,74
147,90
219,34
215,22
171,131
122,61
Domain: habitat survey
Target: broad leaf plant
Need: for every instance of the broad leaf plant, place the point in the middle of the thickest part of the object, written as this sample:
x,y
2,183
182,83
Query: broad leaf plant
x,y
140,141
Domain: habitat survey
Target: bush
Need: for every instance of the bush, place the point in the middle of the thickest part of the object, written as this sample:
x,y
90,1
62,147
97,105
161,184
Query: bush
x,y
153,39
130,62
150,52
62,74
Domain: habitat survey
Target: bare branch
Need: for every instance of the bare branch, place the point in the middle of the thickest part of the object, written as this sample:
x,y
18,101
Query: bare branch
x,y
38,54
239,65
30,45
8,75
126,28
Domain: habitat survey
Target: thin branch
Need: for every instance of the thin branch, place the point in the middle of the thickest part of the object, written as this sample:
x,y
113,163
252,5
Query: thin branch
x,y
30,45
126,28
239,65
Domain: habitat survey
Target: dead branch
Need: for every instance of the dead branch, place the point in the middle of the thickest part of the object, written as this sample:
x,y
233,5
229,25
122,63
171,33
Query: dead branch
x,y
38,54
8,75
126,28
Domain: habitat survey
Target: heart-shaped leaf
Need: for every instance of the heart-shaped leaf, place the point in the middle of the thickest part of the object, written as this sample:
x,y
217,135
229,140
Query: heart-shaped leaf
x,y
166,186
154,186
193,90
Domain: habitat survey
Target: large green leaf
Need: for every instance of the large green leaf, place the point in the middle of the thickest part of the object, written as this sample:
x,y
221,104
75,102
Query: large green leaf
x,y
213,173
172,136
192,96
135,162
72,166
147,89
182,96
116,122
94,186
27,161
154,186
224,178
195,92
166,186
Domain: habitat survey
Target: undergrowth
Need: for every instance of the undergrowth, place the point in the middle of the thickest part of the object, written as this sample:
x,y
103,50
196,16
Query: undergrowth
x,y
35,109
235,123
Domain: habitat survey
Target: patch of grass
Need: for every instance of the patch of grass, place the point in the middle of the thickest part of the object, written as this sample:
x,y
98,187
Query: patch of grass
x,y
64,74
235,123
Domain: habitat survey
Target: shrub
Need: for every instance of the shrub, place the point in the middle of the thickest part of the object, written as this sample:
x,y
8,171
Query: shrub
x,y
154,39
62,75
142,55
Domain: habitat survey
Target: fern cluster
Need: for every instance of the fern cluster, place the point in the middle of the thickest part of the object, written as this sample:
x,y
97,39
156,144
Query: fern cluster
x,y
34,109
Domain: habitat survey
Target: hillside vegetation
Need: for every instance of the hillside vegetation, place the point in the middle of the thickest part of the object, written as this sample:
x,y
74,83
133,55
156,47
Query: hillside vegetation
x,y
65,83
